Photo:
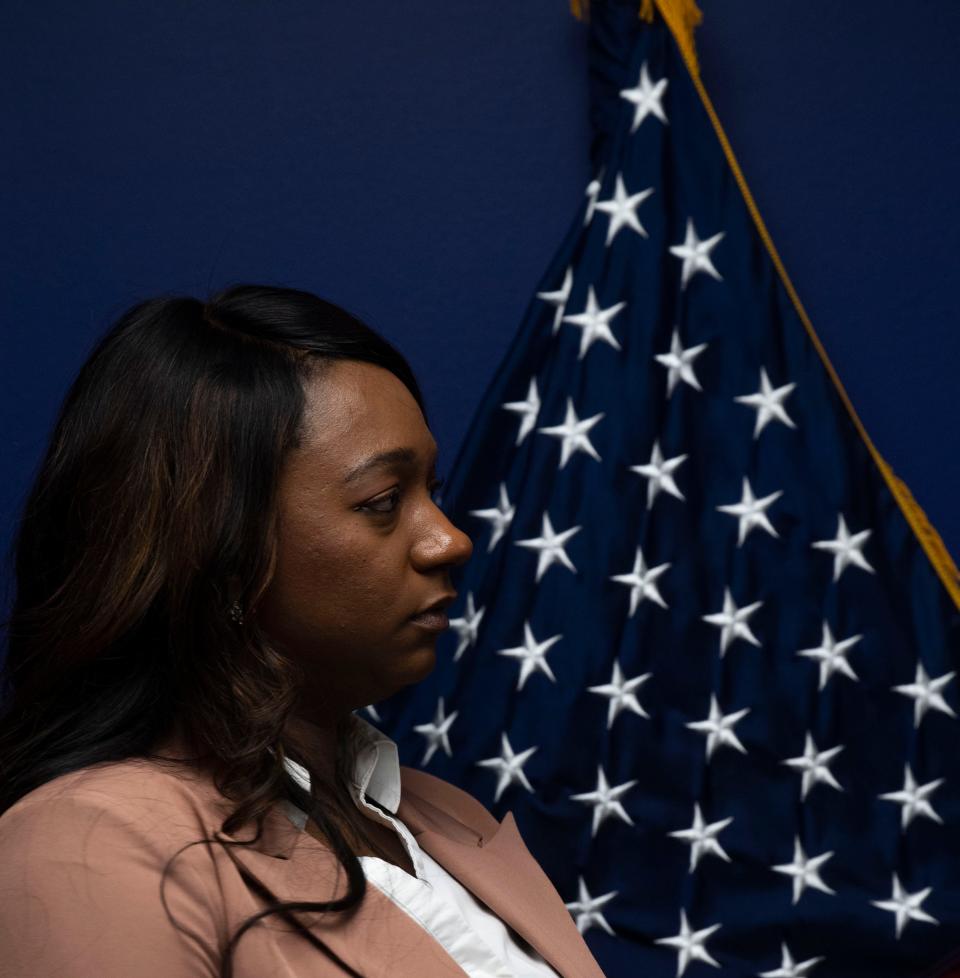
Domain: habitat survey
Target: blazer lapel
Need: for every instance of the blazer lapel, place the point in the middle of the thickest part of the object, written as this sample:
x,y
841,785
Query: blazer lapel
x,y
500,872
494,864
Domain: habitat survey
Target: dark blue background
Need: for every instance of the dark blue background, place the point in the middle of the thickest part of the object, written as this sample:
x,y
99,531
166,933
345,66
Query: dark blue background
x,y
420,162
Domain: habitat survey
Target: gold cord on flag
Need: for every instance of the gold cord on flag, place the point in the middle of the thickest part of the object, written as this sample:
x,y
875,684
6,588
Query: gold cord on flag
x,y
923,529
682,17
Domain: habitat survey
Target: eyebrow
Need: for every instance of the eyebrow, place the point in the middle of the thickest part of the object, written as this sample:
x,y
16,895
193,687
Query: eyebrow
x,y
395,456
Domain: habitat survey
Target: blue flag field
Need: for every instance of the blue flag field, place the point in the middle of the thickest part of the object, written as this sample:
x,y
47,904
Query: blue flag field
x,y
706,649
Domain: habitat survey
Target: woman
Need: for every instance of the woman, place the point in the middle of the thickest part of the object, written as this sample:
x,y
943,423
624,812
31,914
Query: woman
x,y
230,547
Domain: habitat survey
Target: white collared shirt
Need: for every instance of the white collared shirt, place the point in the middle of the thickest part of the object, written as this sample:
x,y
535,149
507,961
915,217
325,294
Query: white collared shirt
x,y
477,939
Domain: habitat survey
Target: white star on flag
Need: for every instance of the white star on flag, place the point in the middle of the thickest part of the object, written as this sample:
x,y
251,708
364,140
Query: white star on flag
x,y
528,410
751,512
703,838
679,362
532,655
696,255
592,191
732,622
550,547
509,766
914,799
906,906
500,517
832,656
573,433
719,728
646,98
690,944
813,764
466,627
437,733
559,298
789,969
642,582
659,474
622,209
805,871
620,692
768,403
586,909
606,801
926,694
594,323
846,549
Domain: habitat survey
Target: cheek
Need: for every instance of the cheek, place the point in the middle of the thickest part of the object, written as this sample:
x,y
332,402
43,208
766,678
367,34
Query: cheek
x,y
334,584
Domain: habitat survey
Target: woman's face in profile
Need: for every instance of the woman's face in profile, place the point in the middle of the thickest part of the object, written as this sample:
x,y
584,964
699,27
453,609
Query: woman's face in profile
x,y
362,547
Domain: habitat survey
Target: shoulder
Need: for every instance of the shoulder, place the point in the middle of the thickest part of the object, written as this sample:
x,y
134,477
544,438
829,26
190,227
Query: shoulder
x,y
449,798
130,798
131,815
94,856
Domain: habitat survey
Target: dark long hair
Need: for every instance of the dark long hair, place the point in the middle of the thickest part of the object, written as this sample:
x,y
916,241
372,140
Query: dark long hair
x,y
152,513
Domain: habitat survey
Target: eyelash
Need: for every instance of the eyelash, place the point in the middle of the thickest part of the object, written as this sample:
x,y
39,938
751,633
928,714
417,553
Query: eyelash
x,y
394,497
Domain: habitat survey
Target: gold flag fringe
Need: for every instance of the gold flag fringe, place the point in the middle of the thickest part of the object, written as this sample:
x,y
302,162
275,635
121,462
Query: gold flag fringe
x,y
682,17
923,530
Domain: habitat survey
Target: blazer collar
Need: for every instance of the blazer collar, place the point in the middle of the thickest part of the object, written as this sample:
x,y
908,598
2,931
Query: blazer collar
x,y
376,772
500,871
492,862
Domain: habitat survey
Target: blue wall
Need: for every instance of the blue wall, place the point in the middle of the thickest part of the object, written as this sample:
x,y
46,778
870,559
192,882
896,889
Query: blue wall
x,y
419,162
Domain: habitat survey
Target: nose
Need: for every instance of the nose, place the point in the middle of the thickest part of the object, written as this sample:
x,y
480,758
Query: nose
x,y
441,544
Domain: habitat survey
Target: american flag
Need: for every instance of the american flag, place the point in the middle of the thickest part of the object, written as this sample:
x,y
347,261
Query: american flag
x,y
706,647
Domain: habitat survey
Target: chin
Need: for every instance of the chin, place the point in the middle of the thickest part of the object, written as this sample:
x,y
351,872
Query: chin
x,y
419,663
407,668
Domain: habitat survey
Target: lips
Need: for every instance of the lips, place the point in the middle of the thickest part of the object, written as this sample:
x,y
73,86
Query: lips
x,y
433,617
434,621
438,605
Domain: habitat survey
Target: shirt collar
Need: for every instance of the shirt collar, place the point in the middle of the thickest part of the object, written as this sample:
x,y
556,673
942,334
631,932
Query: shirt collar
x,y
376,770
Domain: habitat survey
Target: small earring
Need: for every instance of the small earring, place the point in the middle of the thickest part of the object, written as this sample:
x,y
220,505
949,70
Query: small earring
x,y
236,613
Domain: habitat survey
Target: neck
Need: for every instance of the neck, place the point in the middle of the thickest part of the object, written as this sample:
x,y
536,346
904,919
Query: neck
x,y
319,743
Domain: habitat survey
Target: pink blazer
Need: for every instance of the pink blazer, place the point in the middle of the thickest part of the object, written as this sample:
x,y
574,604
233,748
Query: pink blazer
x,y
81,860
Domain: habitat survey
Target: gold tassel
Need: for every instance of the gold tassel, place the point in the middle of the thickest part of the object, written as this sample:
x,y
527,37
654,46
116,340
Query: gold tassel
x,y
682,17
926,533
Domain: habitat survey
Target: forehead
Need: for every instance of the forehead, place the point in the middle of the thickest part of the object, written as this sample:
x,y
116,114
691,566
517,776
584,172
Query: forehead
x,y
354,410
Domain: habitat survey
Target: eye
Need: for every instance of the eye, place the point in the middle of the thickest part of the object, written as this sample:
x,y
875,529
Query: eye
x,y
383,505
